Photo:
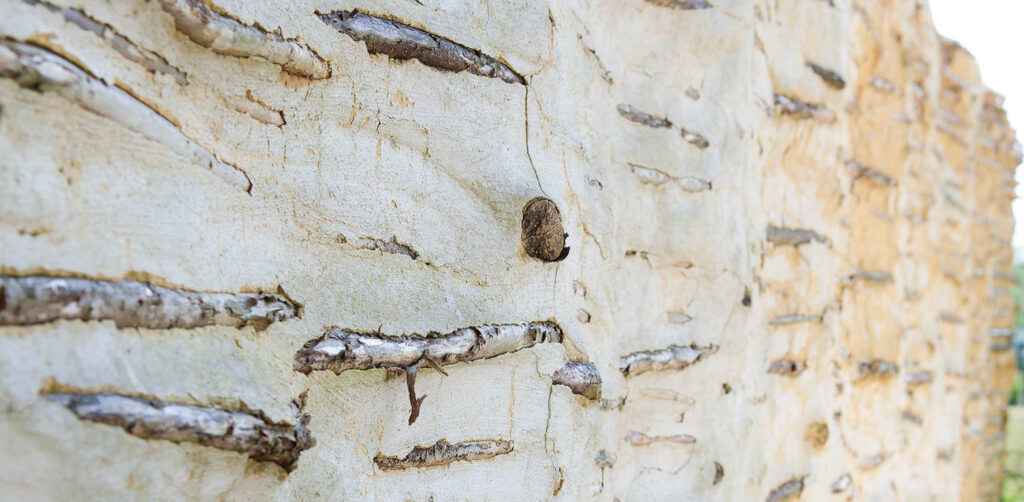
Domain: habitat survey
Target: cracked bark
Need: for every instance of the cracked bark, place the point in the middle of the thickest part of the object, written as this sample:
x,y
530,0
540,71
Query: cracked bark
x,y
149,60
390,247
228,37
582,378
401,41
444,453
249,433
41,70
671,357
340,350
32,300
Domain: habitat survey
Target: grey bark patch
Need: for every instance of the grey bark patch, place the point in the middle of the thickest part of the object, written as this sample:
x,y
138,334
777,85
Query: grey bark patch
x,y
401,41
919,377
444,453
543,235
802,110
793,319
830,77
149,60
786,491
582,378
228,37
671,357
249,433
43,71
634,115
787,367
842,483
872,275
640,439
38,299
340,350
791,236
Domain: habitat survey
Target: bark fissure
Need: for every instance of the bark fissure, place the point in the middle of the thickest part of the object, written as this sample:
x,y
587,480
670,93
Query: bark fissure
x,y
36,299
41,70
673,357
246,432
444,453
229,37
401,41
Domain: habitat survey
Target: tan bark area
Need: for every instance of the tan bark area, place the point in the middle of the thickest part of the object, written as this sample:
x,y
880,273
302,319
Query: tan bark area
x,y
633,250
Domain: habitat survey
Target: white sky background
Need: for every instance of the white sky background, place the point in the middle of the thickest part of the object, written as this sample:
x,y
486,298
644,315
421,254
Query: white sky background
x,y
993,31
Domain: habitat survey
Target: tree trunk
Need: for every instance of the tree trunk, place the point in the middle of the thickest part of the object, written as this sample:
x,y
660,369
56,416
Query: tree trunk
x,y
438,249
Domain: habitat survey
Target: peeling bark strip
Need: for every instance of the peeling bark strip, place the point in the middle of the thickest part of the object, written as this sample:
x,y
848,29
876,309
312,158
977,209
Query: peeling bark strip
x,y
40,70
791,237
649,176
801,110
786,367
634,115
582,378
147,59
228,37
340,350
130,304
443,453
682,4
640,439
830,77
401,41
672,357
786,491
543,236
251,433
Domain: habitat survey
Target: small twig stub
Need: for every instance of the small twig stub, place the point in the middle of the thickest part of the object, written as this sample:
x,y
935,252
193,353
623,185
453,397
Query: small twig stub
x,y
543,234
444,453
582,378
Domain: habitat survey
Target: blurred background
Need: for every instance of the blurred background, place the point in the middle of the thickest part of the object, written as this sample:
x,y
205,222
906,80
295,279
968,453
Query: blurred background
x,y
993,31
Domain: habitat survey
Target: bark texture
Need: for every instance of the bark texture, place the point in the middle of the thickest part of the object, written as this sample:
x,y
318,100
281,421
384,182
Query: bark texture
x,y
671,249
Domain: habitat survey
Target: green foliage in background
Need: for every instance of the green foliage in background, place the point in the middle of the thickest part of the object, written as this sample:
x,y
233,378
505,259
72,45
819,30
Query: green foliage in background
x,y
1018,294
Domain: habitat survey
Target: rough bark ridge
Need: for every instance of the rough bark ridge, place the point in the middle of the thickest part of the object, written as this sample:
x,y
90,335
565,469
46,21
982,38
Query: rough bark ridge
x,y
672,249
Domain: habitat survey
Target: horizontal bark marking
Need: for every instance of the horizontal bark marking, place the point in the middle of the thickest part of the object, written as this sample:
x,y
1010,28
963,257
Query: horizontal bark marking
x,y
651,176
582,378
860,171
444,453
830,77
787,367
340,350
802,110
391,247
633,115
229,37
842,483
672,357
793,319
877,368
682,4
401,41
37,299
919,377
667,395
41,70
791,236
257,109
640,439
786,491
249,433
149,60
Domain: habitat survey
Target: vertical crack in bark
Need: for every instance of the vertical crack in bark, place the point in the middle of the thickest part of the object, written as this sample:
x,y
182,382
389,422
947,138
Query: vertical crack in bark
x,y
130,304
640,439
41,70
672,357
582,378
792,237
650,176
247,432
401,41
787,491
149,60
802,110
444,453
228,37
